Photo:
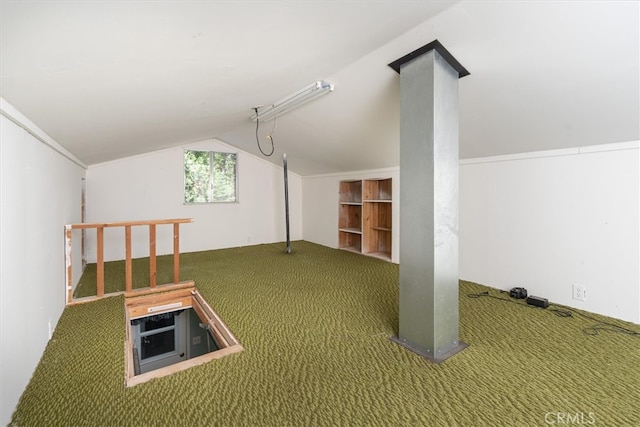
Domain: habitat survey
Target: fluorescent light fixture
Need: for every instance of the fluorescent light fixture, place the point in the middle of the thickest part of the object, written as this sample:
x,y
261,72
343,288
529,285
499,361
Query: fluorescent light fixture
x,y
304,95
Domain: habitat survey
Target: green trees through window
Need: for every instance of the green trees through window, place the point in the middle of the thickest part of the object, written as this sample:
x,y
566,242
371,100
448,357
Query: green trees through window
x,y
209,176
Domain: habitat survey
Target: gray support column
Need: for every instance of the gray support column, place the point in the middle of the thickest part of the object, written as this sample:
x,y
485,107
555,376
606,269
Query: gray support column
x,y
429,205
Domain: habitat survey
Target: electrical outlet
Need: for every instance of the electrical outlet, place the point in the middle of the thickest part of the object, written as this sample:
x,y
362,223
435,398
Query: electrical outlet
x,y
196,340
579,292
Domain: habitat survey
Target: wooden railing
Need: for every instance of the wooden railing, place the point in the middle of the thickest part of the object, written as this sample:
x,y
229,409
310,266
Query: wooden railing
x,y
128,260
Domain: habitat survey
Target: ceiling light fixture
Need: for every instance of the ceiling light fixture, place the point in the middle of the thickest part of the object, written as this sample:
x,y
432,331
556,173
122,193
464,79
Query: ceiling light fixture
x,y
304,95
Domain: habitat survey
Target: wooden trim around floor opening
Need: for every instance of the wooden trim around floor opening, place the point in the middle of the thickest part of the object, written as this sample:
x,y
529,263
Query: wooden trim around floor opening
x,y
166,299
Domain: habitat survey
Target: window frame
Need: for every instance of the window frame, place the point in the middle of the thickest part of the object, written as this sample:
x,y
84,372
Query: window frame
x,y
212,154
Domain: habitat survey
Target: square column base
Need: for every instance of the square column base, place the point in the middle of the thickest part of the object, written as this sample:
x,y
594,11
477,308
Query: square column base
x,y
427,354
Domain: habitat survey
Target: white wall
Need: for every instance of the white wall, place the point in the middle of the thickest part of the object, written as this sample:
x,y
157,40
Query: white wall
x,y
541,220
320,206
151,186
40,193
548,220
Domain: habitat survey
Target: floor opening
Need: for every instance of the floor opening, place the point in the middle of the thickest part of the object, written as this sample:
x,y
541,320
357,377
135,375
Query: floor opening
x,y
172,330
164,339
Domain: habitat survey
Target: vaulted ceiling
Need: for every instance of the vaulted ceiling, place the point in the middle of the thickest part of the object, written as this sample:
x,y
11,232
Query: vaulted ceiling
x,y
113,79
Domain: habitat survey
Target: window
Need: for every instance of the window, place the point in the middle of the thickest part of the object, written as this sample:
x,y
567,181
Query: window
x,y
210,176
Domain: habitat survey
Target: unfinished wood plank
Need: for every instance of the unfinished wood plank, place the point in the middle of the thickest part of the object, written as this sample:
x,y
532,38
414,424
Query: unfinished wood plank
x,y
132,223
159,302
349,216
84,300
220,339
69,269
83,218
100,263
220,330
385,189
176,252
367,238
132,300
229,337
351,191
160,288
152,256
181,366
129,367
162,306
350,241
128,267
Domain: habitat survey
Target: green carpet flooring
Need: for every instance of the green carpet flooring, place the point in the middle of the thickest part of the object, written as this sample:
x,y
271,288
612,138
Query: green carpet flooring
x,y
315,325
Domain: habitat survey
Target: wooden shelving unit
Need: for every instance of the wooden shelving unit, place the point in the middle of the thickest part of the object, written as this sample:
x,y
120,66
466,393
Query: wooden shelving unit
x,y
350,216
365,217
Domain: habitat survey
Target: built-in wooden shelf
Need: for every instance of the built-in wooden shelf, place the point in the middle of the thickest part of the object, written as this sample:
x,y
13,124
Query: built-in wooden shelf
x,y
364,220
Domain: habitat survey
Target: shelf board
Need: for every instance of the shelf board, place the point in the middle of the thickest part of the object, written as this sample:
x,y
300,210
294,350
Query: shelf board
x,y
381,228
381,255
378,200
351,249
351,230
351,203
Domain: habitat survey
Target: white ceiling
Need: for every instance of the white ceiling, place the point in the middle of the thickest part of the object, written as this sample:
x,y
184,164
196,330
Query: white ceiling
x,y
113,79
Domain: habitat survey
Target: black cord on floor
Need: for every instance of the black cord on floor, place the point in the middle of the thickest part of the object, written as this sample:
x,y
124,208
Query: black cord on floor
x,y
591,330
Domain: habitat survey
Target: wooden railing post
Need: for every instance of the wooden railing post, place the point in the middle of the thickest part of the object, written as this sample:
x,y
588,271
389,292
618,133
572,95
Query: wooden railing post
x,y
152,256
176,252
128,252
100,263
127,265
69,272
